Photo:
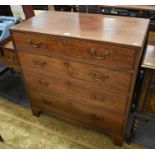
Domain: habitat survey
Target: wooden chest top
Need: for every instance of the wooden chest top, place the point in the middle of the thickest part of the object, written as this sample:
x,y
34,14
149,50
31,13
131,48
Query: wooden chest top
x,y
126,31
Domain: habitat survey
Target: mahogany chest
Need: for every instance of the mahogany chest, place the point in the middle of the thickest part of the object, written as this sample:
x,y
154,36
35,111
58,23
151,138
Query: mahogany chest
x,y
81,67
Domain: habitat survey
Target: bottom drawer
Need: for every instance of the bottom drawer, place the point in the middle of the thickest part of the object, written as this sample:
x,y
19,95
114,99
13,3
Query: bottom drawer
x,y
86,115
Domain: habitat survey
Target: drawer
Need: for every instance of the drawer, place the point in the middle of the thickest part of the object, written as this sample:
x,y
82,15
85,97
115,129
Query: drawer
x,y
97,53
10,57
99,76
81,91
76,111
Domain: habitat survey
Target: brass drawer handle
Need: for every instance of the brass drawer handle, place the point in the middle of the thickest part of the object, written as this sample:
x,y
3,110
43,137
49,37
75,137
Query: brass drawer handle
x,y
64,42
66,64
101,77
39,63
35,44
99,98
44,83
104,55
93,50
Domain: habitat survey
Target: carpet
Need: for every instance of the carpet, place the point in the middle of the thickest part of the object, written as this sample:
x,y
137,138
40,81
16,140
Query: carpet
x,y
20,129
12,88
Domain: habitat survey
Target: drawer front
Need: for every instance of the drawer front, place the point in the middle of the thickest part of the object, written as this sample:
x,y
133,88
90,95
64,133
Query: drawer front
x,y
76,49
99,76
96,118
11,59
79,90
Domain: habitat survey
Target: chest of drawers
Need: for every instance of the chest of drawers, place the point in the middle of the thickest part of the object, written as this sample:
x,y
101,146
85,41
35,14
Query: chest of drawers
x,y
81,67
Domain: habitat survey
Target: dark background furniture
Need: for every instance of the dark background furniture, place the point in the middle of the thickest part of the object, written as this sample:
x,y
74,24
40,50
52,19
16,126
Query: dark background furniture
x,y
88,9
140,11
40,7
65,8
145,107
5,10
8,58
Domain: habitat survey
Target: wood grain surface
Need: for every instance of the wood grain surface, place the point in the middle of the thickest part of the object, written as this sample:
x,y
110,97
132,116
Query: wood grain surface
x,y
112,29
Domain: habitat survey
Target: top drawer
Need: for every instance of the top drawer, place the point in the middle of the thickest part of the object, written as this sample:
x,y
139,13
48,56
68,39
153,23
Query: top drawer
x,y
91,52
